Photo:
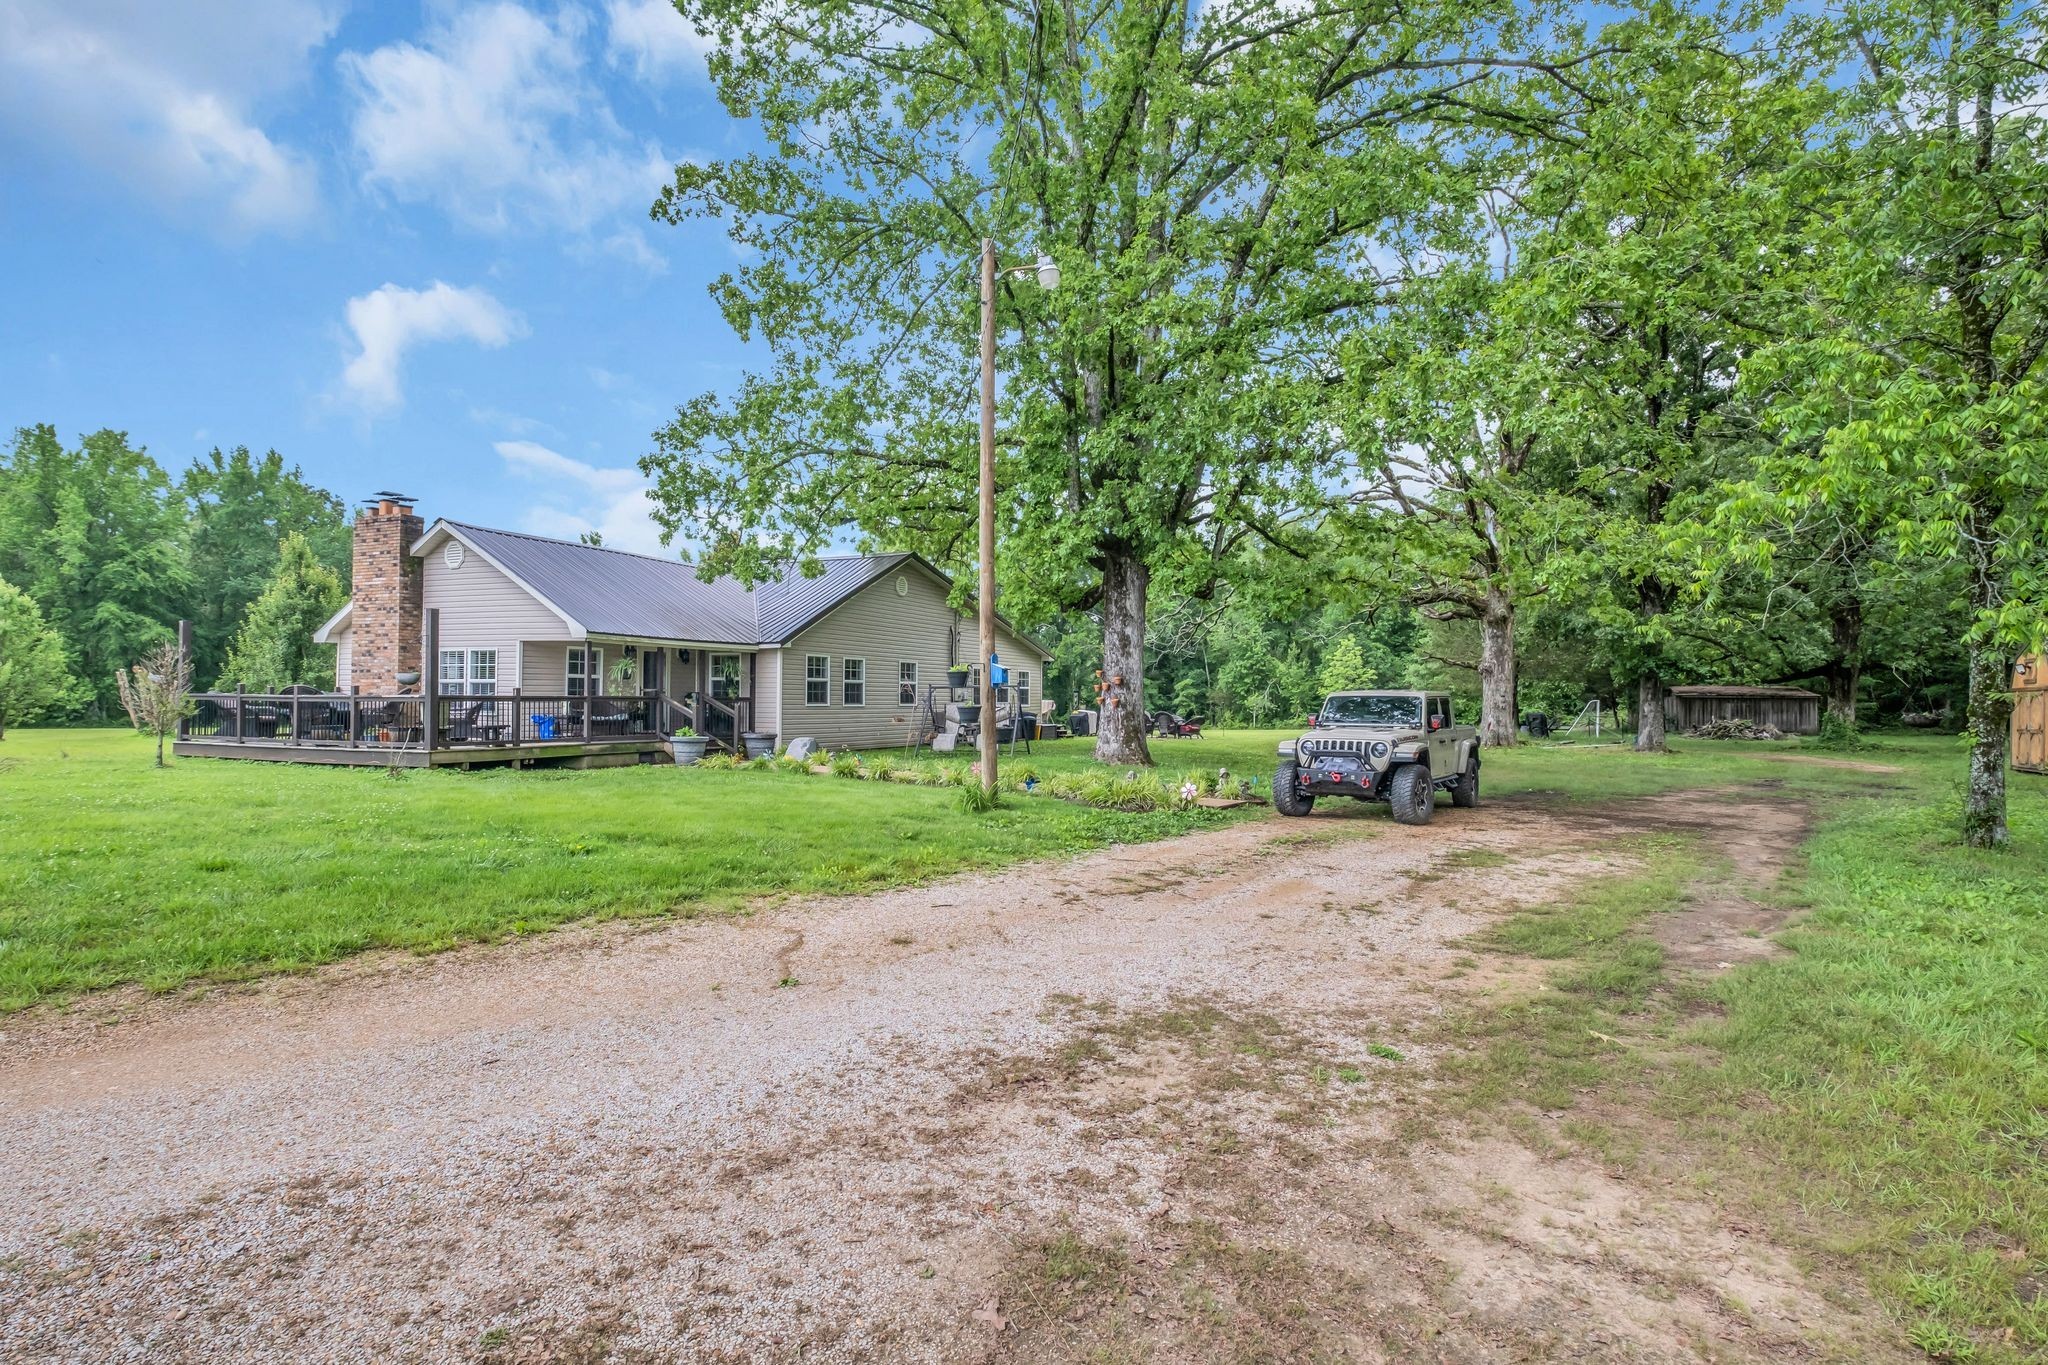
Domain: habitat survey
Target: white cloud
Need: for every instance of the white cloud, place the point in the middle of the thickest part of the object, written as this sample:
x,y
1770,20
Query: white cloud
x,y
631,246
163,98
490,117
651,37
582,498
389,321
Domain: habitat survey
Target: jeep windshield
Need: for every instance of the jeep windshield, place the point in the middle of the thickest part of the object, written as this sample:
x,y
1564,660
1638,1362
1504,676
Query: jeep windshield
x,y
1396,712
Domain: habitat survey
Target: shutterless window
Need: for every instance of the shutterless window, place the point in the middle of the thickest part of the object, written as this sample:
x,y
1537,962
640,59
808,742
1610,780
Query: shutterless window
x,y
817,680
483,672
586,666
906,684
853,682
1022,681
452,675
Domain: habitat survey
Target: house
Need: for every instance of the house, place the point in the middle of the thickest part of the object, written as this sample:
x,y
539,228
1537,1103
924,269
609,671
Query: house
x,y
460,611
1791,709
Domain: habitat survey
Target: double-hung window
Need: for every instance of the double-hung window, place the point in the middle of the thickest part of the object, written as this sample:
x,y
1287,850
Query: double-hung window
x,y
853,682
472,672
817,680
906,684
586,671
1022,681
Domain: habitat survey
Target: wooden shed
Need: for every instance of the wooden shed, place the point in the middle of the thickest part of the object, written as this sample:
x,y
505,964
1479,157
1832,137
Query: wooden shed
x,y
2030,715
1791,709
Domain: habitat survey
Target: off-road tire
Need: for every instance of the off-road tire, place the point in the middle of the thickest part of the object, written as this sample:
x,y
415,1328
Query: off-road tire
x,y
1288,797
1410,795
1465,791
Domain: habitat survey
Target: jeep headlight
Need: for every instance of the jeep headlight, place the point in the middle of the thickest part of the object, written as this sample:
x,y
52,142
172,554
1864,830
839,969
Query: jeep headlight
x,y
1304,751
1379,749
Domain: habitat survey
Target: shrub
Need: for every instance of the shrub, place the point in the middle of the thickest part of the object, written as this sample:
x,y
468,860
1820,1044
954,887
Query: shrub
x,y
1838,732
977,799
845,764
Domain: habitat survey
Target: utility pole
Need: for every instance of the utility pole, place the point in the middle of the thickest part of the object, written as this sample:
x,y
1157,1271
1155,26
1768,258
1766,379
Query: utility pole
x,y
988,514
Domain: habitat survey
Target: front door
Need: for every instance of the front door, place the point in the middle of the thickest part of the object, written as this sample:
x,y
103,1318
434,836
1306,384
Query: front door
x,y
725,687
653,664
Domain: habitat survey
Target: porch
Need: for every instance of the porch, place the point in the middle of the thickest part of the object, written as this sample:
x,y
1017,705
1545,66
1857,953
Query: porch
x,y
413,731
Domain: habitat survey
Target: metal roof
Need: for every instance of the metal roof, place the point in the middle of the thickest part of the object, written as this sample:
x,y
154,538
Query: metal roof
x,y
792,602
616,592
1732,692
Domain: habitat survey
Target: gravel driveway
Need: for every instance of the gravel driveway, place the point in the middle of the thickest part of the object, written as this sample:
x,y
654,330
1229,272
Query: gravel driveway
x,y
885,1127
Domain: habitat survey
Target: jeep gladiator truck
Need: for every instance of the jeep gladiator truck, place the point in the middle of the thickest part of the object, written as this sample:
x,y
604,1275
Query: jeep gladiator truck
x,y
1396,747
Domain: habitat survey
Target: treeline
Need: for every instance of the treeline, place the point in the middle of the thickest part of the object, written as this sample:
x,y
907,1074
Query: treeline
x,y
102,552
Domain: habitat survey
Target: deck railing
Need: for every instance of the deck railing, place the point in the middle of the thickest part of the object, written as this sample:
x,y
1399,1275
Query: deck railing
x,y
355,720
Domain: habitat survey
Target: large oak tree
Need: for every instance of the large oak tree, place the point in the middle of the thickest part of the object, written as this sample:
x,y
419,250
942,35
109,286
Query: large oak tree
x,y
1213,181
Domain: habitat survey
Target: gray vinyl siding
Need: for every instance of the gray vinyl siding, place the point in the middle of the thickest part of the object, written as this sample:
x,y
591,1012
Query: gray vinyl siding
x,y
482,608
768,691
877,625
543,667
344,658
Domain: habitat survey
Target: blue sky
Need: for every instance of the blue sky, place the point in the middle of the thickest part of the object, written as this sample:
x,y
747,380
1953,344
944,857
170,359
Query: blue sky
x,y
405,244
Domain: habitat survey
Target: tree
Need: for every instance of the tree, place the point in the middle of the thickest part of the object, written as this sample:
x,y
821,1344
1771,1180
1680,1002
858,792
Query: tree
x,y
1212,181
1915,376
156,693
34,680
274,648
239,510
97,538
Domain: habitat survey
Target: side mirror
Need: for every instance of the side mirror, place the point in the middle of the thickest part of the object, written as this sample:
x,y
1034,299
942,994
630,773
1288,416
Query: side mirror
x,y
1436,722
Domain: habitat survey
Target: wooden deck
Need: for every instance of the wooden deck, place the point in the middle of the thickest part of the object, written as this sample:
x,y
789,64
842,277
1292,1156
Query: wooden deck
x,y
595,753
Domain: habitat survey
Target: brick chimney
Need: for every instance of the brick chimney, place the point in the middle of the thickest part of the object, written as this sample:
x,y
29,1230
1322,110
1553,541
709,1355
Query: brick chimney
x,y
388,618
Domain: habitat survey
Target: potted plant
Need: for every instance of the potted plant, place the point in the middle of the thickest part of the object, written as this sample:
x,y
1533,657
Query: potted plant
x,y
758,745
957,677
687,746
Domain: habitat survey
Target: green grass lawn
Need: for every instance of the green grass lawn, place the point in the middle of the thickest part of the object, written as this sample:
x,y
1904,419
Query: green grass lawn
x,y
114,872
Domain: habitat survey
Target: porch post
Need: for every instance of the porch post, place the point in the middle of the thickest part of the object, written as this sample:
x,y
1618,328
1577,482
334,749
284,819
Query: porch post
x,y
241,721
355,714
430,678
517,719
185,667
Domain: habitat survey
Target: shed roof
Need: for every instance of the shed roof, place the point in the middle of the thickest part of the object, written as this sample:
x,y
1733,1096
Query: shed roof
x,y
1713,691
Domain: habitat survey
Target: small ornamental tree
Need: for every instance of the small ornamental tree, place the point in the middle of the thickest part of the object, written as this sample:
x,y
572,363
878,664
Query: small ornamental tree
x,y
274,648
34,677
156,693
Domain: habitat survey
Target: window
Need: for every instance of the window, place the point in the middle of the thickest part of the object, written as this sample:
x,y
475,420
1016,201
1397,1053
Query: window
x,y
473,672
906,684
1439,712
586,671
725,677
1022,681
853,682
817,680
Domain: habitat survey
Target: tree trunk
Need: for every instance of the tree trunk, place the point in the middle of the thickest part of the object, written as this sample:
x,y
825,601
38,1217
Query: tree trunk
x,y
1845,675
1497,719
1121,737
159,748
1650,712
1990,719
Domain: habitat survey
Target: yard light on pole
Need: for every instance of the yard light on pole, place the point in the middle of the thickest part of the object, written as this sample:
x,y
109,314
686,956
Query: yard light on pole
x,y
1047,272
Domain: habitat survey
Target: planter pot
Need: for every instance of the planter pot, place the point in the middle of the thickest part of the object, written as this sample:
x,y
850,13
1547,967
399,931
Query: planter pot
x,y
408,678
758,746
969,712
957,677
688,749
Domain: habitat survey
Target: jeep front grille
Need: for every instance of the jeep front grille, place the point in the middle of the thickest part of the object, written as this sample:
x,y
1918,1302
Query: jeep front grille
x,y
1319,747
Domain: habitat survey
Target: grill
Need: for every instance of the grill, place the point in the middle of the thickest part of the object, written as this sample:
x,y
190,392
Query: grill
x,y
1320,747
